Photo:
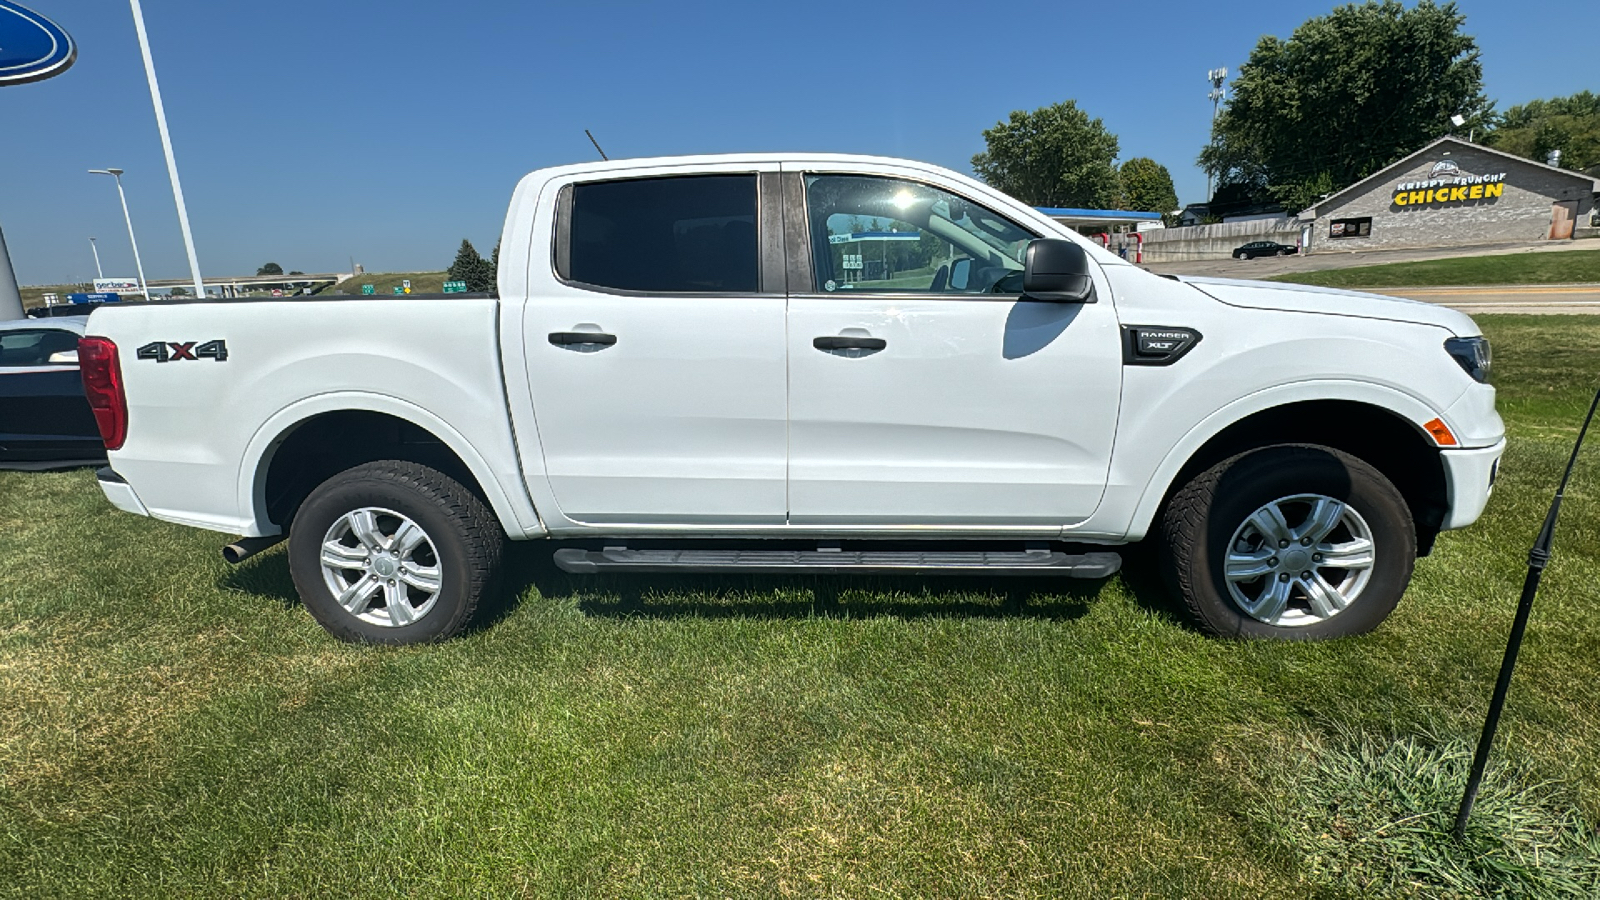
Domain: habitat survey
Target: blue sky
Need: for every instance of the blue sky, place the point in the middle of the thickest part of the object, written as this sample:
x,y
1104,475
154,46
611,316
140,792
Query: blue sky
x,y
308,133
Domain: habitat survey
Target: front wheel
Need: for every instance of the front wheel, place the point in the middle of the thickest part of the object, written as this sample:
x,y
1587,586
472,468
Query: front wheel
x,y
1292,541
394,552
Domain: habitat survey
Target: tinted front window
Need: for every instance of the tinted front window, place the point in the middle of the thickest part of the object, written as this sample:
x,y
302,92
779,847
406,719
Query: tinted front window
x,y
33,348
686,234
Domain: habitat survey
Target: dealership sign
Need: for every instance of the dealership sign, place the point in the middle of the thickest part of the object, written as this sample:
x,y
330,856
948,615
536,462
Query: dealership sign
x,y
116,286
1447,184
32,48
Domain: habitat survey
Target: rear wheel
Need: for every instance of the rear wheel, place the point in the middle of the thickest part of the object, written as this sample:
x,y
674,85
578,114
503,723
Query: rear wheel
x,y
394,552
1294,541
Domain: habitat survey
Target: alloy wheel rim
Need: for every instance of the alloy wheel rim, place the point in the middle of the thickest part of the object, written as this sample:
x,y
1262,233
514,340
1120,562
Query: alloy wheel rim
x,y
381,567
1299,560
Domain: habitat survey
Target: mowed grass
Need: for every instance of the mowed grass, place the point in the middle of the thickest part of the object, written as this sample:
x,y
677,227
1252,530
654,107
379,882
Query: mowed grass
x,y
1563,267
175,727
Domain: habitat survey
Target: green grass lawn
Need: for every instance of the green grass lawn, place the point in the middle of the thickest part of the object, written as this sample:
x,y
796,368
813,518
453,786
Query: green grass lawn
x,y
175,727
1565,267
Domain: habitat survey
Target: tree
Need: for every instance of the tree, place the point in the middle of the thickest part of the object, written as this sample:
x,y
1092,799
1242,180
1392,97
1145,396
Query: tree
x,y
471,268
1569,124
270,268
1147,186
1053,156
1347,94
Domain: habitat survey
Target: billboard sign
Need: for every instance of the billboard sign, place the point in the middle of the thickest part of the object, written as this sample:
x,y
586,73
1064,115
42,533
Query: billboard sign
x,y
32,48
116,285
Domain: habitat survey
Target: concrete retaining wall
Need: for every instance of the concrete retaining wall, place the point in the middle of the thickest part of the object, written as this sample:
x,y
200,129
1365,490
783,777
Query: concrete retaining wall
x,y
1215,241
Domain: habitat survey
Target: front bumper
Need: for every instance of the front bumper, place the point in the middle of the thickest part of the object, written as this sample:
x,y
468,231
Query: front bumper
x,y
1469,480
119,492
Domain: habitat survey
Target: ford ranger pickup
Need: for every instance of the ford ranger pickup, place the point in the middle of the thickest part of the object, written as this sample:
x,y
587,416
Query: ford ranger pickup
x,y
806,363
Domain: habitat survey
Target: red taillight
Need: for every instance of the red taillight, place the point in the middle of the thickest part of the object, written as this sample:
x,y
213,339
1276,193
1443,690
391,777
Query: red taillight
x,y
102,383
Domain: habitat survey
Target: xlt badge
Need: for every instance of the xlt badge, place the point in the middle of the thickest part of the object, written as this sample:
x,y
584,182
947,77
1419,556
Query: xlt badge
x,y
1156,345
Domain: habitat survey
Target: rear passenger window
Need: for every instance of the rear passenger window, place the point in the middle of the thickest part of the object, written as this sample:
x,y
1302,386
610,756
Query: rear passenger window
x,y
33,348
685,234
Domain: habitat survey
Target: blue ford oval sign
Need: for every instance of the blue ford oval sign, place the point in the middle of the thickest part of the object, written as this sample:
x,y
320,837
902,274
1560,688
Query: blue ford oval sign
x,y
32,48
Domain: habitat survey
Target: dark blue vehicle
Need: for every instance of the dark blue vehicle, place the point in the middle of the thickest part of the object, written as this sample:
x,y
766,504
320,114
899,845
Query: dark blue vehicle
x,y
45,420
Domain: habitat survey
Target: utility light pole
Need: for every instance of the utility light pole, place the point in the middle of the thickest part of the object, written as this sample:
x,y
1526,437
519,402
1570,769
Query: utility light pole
x,y
98,272
166,145
1219,93
144,287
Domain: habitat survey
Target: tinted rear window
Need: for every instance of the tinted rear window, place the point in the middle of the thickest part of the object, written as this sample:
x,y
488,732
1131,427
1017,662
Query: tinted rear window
x,y
33,348
684,234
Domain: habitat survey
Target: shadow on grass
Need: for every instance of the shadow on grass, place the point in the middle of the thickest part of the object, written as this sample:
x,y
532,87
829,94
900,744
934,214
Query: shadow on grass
x,y
665,596
265,575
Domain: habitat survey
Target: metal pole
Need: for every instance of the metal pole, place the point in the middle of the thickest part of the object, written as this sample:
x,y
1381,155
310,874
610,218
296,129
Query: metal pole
x,y
166,144
1538,558
144,286
10,297
98,272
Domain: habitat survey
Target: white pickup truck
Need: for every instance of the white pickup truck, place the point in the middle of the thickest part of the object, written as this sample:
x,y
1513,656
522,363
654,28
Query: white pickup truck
x,y
778,363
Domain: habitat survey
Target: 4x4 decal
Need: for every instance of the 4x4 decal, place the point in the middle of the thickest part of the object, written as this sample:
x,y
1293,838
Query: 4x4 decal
x,y
172,351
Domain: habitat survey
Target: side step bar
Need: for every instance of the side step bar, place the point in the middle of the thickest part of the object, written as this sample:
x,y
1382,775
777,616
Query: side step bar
x,y
842,562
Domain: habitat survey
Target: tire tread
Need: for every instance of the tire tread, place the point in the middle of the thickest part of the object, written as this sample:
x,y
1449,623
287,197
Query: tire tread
x,y
484,539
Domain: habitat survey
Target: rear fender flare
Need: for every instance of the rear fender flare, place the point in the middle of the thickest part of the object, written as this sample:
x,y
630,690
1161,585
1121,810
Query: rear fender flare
x,y
514,510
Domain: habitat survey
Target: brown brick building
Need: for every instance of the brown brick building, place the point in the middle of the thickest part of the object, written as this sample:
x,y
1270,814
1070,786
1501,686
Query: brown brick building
x,y
1452,193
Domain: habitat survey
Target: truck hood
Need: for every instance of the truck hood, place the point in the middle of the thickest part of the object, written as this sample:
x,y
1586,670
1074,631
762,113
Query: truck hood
x,y
1332,301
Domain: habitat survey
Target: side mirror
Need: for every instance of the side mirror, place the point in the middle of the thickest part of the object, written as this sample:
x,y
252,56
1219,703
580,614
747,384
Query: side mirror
x,y
64,358
1057,271
960,272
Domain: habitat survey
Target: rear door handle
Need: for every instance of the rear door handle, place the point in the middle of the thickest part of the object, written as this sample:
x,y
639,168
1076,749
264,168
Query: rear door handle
x,y
580,340
834,342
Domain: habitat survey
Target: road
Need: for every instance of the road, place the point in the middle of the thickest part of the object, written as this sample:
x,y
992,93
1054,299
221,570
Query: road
x,y
1511,298
1328,259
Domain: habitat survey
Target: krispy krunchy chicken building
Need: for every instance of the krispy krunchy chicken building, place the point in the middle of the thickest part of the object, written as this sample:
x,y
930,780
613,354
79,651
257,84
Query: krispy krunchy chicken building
x,y
1452,192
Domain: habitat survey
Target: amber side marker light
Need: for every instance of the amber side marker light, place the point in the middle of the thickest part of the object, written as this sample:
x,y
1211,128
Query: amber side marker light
x,y
1441,433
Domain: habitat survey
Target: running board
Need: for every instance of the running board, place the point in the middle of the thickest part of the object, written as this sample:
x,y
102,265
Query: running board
x,y
842,562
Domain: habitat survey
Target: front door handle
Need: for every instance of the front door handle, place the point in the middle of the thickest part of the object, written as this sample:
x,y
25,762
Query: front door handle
x,y
831,342
582,340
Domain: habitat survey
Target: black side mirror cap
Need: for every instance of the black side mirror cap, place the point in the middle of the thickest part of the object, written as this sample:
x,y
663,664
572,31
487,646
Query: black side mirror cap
x,y
1057,271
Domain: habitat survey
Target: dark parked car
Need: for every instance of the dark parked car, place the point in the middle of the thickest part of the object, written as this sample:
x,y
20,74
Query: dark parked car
x,y
1263,248
45,421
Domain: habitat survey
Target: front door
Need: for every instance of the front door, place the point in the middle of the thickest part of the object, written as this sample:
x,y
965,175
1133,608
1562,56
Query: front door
x,y
655,352
923,392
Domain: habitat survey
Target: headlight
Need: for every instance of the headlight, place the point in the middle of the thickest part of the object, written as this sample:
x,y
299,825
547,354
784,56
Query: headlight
x,y
1473,355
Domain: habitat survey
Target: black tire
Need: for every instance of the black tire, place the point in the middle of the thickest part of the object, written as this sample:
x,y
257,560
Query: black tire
x,y
1240,256
1283,253
464,542
1203,517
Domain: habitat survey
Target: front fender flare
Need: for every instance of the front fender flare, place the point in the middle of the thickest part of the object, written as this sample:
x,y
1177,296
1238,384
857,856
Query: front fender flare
x,y
1160,481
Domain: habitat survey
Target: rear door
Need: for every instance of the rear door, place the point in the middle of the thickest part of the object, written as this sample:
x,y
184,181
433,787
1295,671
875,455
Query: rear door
x,y
924,393
654,337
